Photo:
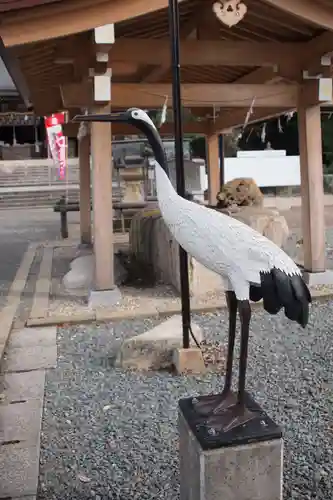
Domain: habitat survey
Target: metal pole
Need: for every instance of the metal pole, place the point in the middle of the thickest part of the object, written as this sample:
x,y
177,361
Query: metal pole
x,y
221,158
179,154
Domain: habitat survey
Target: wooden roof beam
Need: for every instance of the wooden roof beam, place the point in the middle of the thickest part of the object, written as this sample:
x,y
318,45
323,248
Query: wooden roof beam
x,y
73,16
235,119
308,11
205,52
151,96
308,58
200,128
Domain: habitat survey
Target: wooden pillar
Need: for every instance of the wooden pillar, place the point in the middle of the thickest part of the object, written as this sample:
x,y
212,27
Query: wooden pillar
x,y
85,210
213,170
102,202
312,190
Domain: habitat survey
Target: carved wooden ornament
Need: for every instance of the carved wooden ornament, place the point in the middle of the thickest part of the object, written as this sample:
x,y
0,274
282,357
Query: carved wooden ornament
x,y
230,12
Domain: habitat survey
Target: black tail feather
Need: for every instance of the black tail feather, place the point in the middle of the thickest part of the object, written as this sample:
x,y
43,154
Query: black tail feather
x,y
255,293
271,298
280,289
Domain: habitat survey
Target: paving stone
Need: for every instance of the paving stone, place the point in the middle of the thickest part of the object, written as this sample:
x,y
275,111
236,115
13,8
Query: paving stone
x,y
18,386
27,337
21,422
30,358
19,471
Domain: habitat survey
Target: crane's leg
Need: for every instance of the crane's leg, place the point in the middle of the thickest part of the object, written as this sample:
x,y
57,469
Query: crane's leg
x,y
244,309
232,307
226,398
237,414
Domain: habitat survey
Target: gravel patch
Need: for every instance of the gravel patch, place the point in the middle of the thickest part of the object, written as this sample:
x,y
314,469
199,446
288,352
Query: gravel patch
x,y
111,434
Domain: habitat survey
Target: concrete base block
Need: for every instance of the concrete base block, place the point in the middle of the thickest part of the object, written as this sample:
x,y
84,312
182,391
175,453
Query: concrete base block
x,y
243,472
21,422
19,386
29,337
85,246
19,471
104,298
82,271
317,279
30,358
153,350
188,360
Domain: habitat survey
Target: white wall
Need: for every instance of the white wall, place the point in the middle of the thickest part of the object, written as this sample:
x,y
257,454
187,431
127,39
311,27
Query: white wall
x,y
268,168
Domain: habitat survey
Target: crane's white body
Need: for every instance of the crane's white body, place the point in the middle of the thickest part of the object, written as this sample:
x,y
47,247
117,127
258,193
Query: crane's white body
x,y
222,244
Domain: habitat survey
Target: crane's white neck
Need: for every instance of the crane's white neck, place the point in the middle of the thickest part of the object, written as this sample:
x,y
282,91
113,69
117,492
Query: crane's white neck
x,y
166,193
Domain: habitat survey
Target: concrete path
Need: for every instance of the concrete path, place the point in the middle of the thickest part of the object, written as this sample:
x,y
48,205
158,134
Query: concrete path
x,y
17,229
29,353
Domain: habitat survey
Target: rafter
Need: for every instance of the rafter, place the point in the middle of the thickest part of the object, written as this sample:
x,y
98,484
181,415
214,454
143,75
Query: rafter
x,y
186,31
306,10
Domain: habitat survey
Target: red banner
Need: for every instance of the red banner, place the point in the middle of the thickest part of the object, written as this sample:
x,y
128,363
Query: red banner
x,y
57,141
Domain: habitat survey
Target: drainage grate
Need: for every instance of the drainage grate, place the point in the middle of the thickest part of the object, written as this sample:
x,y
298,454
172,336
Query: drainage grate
x,y
16,403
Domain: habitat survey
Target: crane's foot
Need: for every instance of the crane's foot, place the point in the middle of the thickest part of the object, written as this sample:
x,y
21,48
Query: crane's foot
x,y
228,419
215,403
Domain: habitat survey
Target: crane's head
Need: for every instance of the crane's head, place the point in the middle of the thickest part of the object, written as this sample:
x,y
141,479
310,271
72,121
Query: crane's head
x,y
139,119
133,116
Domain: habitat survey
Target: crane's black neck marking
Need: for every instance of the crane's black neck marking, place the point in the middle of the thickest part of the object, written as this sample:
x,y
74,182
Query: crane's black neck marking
x,y
155,142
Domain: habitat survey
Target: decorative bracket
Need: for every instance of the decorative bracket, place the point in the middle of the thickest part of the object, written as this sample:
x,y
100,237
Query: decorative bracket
x,y
230,12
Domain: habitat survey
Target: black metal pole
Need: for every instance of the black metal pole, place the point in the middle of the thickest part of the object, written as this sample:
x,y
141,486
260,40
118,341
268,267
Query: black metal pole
x,y
221,158
179,154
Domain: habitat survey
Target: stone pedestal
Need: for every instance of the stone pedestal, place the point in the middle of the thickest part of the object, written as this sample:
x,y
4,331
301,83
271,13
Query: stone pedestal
x,y
318,279
239,467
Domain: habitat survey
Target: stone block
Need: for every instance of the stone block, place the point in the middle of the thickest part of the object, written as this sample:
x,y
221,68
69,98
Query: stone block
x,y
21,422
324,278
29,497
82,271
153,350
188,360
152,243
104,298
19,471
30,358
19,386
27,337
244,472
266,221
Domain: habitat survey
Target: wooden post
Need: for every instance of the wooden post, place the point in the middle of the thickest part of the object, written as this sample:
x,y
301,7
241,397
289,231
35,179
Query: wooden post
x,y
213,170
102,202
85,201
312,190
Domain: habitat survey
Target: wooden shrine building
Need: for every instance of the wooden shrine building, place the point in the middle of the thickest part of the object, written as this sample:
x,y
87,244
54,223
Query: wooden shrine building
x,y
263,56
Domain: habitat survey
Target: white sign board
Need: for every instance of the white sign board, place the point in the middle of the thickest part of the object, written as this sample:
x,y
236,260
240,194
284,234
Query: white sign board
x,y
266,172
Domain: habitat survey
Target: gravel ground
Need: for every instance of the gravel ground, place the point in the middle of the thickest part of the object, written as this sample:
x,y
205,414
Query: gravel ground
x,y
110,434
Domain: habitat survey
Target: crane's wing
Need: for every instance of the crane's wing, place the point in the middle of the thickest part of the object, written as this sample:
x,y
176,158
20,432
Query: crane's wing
x,y
222,243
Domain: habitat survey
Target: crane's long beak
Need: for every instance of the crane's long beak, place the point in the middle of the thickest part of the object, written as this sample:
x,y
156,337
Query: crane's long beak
x,y
110,117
